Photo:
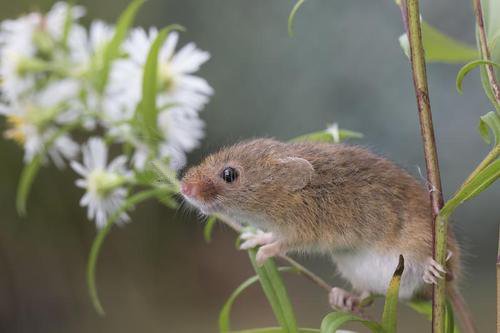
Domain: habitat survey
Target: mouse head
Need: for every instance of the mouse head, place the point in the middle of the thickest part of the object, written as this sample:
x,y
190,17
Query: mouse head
x,y
245,178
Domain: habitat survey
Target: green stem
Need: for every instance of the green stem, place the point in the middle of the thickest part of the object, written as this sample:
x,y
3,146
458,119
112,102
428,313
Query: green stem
x,y
485,52
412,18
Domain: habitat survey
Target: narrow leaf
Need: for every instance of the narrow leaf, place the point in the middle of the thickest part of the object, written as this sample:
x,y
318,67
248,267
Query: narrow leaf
x,y
490,121
31,170
475,186
147,111
469,67
390,314
276,330
209,226
275,291
425,308
326,136
112,49
25,181
225,314
335,320
165,174
422,307
291,17
449,318
441,48
99,239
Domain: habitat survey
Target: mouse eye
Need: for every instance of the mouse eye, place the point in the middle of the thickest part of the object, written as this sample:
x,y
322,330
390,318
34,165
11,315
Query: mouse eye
x,y
229,174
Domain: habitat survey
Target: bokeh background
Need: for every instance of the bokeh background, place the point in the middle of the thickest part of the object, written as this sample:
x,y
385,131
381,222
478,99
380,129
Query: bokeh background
x,y
157,274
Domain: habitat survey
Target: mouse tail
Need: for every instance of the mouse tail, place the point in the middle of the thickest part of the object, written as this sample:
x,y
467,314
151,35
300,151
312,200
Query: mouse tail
x,y
462,310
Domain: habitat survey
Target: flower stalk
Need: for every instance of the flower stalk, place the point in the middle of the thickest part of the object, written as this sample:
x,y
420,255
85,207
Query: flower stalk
x,y
412,19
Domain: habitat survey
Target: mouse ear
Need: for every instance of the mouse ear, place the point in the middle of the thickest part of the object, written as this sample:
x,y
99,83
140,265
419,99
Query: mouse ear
x,y
296,172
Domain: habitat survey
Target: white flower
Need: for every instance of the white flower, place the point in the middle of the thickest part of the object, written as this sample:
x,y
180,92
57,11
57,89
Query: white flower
x,y
33,122
55,19
16,44
334,131
180,96
103,183
182,131
23,39
177,83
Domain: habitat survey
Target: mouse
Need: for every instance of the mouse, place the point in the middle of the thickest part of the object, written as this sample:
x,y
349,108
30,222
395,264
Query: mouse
x,y
360,209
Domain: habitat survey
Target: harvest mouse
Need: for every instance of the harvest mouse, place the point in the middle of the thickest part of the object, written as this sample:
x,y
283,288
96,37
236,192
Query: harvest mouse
x,y
335,199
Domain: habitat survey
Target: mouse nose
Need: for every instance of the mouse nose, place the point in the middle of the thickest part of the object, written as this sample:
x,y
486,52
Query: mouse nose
x,y
189,189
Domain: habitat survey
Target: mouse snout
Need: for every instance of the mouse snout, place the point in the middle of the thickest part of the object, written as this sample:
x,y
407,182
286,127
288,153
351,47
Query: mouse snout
x,y
190,189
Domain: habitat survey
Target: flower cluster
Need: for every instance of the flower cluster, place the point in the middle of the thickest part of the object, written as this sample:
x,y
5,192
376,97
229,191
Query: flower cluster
x,y
58,78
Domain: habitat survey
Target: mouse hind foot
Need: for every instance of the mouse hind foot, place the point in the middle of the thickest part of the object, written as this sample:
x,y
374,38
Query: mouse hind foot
x,y
343,300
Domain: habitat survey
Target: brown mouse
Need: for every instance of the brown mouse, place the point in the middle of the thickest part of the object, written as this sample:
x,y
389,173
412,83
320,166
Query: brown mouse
x,y
336,199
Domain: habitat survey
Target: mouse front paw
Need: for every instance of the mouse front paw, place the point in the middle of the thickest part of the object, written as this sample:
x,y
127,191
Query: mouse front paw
x,y
268,251
270,246
252,239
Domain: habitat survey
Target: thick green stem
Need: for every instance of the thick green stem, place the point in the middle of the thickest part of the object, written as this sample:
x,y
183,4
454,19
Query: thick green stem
x,y
412,19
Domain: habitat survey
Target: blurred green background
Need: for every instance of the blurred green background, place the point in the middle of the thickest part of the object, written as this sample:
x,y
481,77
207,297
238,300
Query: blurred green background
x,y
157,274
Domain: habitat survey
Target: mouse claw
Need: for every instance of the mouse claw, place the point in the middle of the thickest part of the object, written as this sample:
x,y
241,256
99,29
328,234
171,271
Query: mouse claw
x,y
253,239
268,251
433,271
342,300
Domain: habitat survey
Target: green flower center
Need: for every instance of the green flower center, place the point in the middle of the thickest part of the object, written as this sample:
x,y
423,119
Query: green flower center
x,y
165,77
101,182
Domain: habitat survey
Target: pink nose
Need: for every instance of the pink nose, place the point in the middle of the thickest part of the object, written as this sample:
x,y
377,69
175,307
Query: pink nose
x,y
189,189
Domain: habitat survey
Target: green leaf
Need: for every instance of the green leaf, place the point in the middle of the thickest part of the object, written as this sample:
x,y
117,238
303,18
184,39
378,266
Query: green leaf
x,y
276,294
276,330
225,314
422,307
390,314
31,170
147,111
326,136
209,226
165,174
440,47
467,68
490,121
449,318
26,180
425,308
291,17
335,320
68,22
101,236
476,185
112,50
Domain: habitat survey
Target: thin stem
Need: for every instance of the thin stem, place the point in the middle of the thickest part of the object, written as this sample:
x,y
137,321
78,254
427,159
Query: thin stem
x,y
304,271
417,59
485,52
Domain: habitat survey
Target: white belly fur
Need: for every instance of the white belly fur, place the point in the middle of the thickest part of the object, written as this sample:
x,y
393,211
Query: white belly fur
x,y
370,271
